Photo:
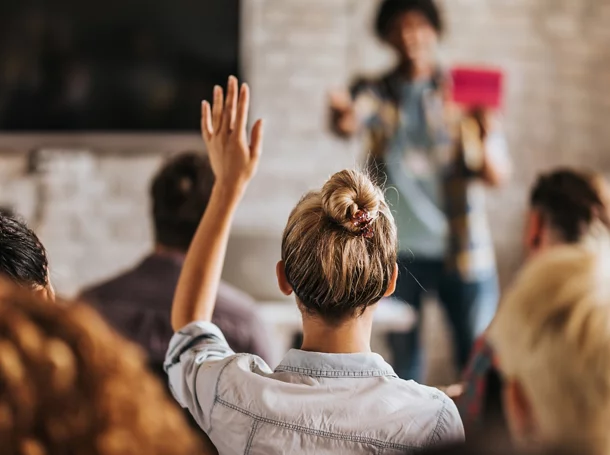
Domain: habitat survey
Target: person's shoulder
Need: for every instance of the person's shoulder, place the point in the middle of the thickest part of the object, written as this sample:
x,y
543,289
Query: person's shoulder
x,y
238,368
100,291
420,391
234,301
437,417
429,400
117,282
126,282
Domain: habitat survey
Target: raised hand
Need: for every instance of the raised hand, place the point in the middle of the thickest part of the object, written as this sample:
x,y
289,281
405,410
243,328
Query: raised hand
x,y
233,159
343,113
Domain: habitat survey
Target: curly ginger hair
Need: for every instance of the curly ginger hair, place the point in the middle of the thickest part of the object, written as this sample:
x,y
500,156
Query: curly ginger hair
x,y
70,385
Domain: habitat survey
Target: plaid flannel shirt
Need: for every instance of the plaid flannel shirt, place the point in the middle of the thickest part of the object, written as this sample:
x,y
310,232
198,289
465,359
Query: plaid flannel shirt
x,y
470,251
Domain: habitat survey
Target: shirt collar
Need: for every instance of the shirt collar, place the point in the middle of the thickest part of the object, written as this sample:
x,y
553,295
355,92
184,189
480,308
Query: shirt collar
x,y
319,364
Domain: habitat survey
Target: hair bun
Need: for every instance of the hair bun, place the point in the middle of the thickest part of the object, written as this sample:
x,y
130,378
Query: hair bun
x,y
347,192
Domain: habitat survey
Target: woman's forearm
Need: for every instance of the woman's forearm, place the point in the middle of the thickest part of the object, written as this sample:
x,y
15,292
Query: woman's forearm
x,y
234,162
195,295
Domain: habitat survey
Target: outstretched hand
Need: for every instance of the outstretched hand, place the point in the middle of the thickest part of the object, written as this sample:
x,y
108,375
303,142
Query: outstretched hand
x,y
343,114
233,159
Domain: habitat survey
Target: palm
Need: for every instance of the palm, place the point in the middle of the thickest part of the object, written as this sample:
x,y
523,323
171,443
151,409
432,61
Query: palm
x,y
223,127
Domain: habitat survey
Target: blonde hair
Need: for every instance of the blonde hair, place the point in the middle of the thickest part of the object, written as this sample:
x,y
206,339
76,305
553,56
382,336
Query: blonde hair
x,y
69,384
335,270
552,335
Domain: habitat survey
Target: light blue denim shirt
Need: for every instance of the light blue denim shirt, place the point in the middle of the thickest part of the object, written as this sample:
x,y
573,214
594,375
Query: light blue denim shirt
x,y
312,403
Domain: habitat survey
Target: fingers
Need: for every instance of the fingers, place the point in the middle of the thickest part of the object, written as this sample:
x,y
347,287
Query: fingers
x,y
206,122
242,109
231,114
256,140
217,109
228,121
340,100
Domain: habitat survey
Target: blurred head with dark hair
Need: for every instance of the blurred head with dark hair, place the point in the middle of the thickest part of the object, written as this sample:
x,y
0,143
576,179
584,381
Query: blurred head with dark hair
x,y
180,193
23,258
412,28
567,206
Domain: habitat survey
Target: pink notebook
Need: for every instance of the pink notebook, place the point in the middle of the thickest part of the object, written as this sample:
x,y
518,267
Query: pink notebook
x,y
478,87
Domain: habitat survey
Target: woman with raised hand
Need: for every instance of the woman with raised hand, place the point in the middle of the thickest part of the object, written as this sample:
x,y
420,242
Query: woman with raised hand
x,y
339,259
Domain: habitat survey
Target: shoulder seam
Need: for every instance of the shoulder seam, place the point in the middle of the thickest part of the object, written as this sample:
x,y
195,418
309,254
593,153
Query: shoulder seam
x,y
440,421
216,396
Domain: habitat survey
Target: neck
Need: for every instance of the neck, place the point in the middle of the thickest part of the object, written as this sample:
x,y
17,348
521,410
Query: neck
x,y
417,71
349,337
166,251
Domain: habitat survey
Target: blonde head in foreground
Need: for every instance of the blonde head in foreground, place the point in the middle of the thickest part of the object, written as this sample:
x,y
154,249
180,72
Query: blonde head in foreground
x,y
337,266
70,385
552,337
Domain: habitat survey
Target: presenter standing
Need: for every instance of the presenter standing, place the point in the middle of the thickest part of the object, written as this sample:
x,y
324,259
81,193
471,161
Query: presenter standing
x,y
435,161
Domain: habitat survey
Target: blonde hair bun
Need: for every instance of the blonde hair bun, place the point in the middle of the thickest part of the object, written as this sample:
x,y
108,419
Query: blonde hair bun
x,y
347,192
338,263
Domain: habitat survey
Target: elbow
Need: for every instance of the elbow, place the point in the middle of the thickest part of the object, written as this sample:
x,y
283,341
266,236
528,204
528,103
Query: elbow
x,y
177,322
495,180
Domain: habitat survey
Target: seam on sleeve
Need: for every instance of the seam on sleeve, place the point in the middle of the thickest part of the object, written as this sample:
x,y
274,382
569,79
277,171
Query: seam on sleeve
x,y
255,425
441,424
216,395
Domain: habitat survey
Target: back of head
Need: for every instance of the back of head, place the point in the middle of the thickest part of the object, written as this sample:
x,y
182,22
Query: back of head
x,y
23,259
69,384
339,247
180,194
552,335
574,203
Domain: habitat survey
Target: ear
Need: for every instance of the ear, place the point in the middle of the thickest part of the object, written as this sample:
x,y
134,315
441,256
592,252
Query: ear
x,y
518,410
534,231
282,281
46,292
392,284
50,292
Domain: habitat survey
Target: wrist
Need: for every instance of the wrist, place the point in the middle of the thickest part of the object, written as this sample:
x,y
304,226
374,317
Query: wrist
x,y
228,194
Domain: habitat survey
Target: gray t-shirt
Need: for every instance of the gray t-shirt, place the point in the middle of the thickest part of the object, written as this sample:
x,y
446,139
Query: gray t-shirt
x,y
415,178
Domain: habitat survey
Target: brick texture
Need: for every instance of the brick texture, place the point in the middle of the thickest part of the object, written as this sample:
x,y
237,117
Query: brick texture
x,y
89,202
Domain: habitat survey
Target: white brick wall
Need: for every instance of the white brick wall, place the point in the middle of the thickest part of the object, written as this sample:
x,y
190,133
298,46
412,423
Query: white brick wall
x,y
91,208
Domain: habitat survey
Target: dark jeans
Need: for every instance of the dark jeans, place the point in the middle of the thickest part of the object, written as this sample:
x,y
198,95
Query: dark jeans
x,y
469,306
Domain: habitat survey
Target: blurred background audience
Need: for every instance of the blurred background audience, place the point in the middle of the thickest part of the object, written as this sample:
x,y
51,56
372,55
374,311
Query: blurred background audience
x,y
138,302
552,340
566,207
23,259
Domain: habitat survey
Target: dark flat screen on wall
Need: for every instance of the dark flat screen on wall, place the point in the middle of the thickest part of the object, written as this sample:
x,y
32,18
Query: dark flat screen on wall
x,y
115,65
